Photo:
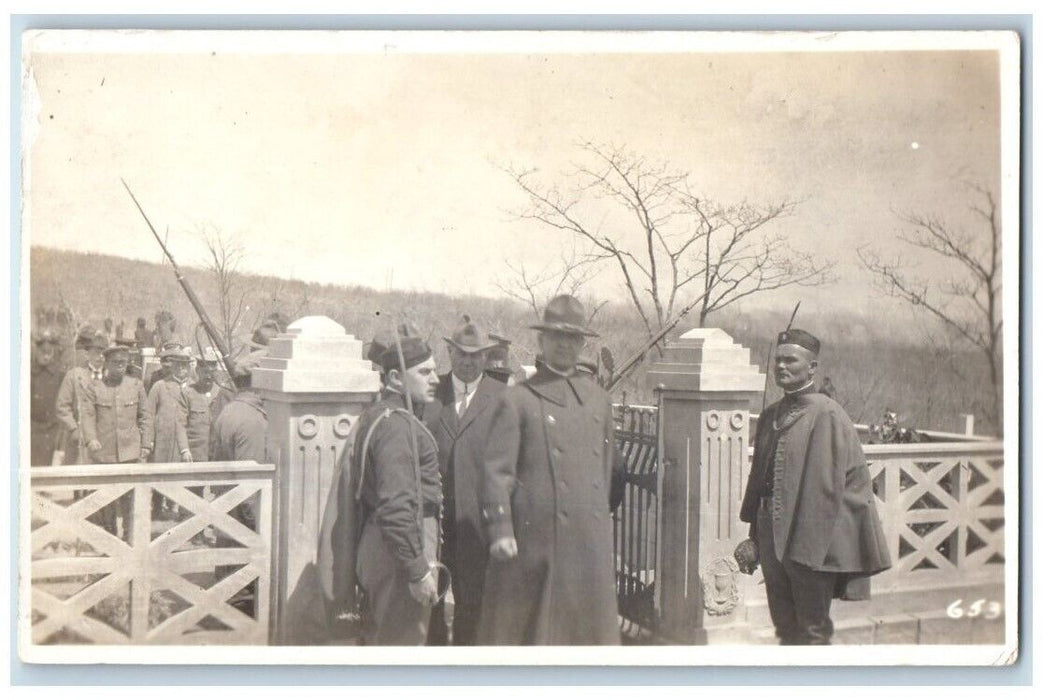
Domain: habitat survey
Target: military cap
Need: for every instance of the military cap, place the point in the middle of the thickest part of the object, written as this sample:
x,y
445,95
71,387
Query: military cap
x,y
209,356
128,343
84,336
99,341
565,313
116,350
414,351
177,353
796,336
468,338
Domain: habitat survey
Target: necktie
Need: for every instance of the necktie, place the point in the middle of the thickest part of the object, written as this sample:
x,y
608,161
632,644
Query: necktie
x,y
461,407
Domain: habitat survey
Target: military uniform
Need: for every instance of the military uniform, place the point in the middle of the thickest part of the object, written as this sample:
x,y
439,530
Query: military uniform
x,y
168,409
546,482
44,382
399,537
68,409
197,402
117,416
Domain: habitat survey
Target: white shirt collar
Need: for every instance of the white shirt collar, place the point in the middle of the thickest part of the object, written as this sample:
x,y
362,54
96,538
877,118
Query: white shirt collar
x,y
460,388
803,388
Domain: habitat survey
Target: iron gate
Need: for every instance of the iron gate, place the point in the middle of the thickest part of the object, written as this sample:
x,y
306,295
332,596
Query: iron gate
x,y
636,521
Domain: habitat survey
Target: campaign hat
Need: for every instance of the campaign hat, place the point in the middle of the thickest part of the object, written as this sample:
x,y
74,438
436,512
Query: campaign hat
x,y
468,338
565,313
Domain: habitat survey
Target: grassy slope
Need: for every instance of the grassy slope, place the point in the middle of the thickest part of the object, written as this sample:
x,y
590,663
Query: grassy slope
x,y
874,363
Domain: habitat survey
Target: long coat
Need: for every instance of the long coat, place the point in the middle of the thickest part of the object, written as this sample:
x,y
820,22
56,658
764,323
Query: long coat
x,y
44,382
68,407
118,417
546,481
169,415
461,442
823,512
197,405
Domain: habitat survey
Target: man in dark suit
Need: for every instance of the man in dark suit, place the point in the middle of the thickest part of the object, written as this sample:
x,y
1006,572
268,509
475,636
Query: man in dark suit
x,y
459,420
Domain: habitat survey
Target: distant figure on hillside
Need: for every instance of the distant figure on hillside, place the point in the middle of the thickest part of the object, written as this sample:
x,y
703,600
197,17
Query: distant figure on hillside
x,y
166,325
809,502
141,335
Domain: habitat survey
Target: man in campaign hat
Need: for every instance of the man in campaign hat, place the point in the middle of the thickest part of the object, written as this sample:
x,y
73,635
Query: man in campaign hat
x,y
459,419
545,499
68,407
809,501
400,496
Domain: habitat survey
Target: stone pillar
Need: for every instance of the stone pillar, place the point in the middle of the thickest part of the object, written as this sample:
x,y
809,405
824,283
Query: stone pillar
x,y
706,385
315,384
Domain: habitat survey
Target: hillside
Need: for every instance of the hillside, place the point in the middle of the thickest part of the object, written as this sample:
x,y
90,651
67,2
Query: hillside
x,y
873,362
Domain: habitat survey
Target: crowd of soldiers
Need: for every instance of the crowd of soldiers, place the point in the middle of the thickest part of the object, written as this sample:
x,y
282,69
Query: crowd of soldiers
x,y
482,505
116,404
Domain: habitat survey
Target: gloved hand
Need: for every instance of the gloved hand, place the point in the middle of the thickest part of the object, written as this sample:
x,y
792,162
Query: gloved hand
x,y
93,446
746,556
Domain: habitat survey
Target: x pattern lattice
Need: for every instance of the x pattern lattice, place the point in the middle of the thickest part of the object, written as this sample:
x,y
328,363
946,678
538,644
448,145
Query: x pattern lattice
x,y
942,515
199,576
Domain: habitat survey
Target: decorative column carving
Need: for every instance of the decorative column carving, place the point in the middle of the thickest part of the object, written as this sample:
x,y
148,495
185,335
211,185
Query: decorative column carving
x,y
315,384
706,385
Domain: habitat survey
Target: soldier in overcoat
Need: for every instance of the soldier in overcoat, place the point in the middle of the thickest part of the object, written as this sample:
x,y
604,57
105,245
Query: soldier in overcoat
x,y
167,405
809,501
197,400
68,406
544,499
459,419
45,378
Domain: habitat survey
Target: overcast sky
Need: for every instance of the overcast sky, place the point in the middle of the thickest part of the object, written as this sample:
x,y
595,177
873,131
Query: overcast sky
x,y
383,167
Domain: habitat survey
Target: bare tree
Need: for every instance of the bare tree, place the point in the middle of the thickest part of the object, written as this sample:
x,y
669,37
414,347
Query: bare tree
x,y
568,275
966,298
667,245
224,256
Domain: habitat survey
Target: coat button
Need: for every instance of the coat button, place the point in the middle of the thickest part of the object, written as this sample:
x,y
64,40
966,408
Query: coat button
x,y
551,420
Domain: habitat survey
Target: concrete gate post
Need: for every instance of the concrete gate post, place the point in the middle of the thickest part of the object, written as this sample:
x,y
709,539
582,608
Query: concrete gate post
x,y
706,386
315,384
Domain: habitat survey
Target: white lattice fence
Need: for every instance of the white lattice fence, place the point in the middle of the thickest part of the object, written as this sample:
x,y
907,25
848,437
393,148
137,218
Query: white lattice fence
x,y
942,510
151,553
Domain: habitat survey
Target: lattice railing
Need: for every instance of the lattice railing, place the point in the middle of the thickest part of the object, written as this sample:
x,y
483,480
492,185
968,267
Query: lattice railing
x,y
942,508
151,553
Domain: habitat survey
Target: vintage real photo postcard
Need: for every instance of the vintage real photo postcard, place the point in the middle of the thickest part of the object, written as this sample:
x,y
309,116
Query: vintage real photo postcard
x,y
648,347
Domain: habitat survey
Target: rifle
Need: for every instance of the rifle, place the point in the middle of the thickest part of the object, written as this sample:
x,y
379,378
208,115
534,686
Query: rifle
x,y
636,357
767,363
208,325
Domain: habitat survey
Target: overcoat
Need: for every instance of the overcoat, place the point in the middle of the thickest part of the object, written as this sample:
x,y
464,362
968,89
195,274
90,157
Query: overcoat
x,y
44,382
117,417
823,510
68,407
461,444
546,480
169,416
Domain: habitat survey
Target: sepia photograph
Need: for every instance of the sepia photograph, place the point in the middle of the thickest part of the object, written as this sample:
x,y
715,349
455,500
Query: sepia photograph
x,y
653,348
